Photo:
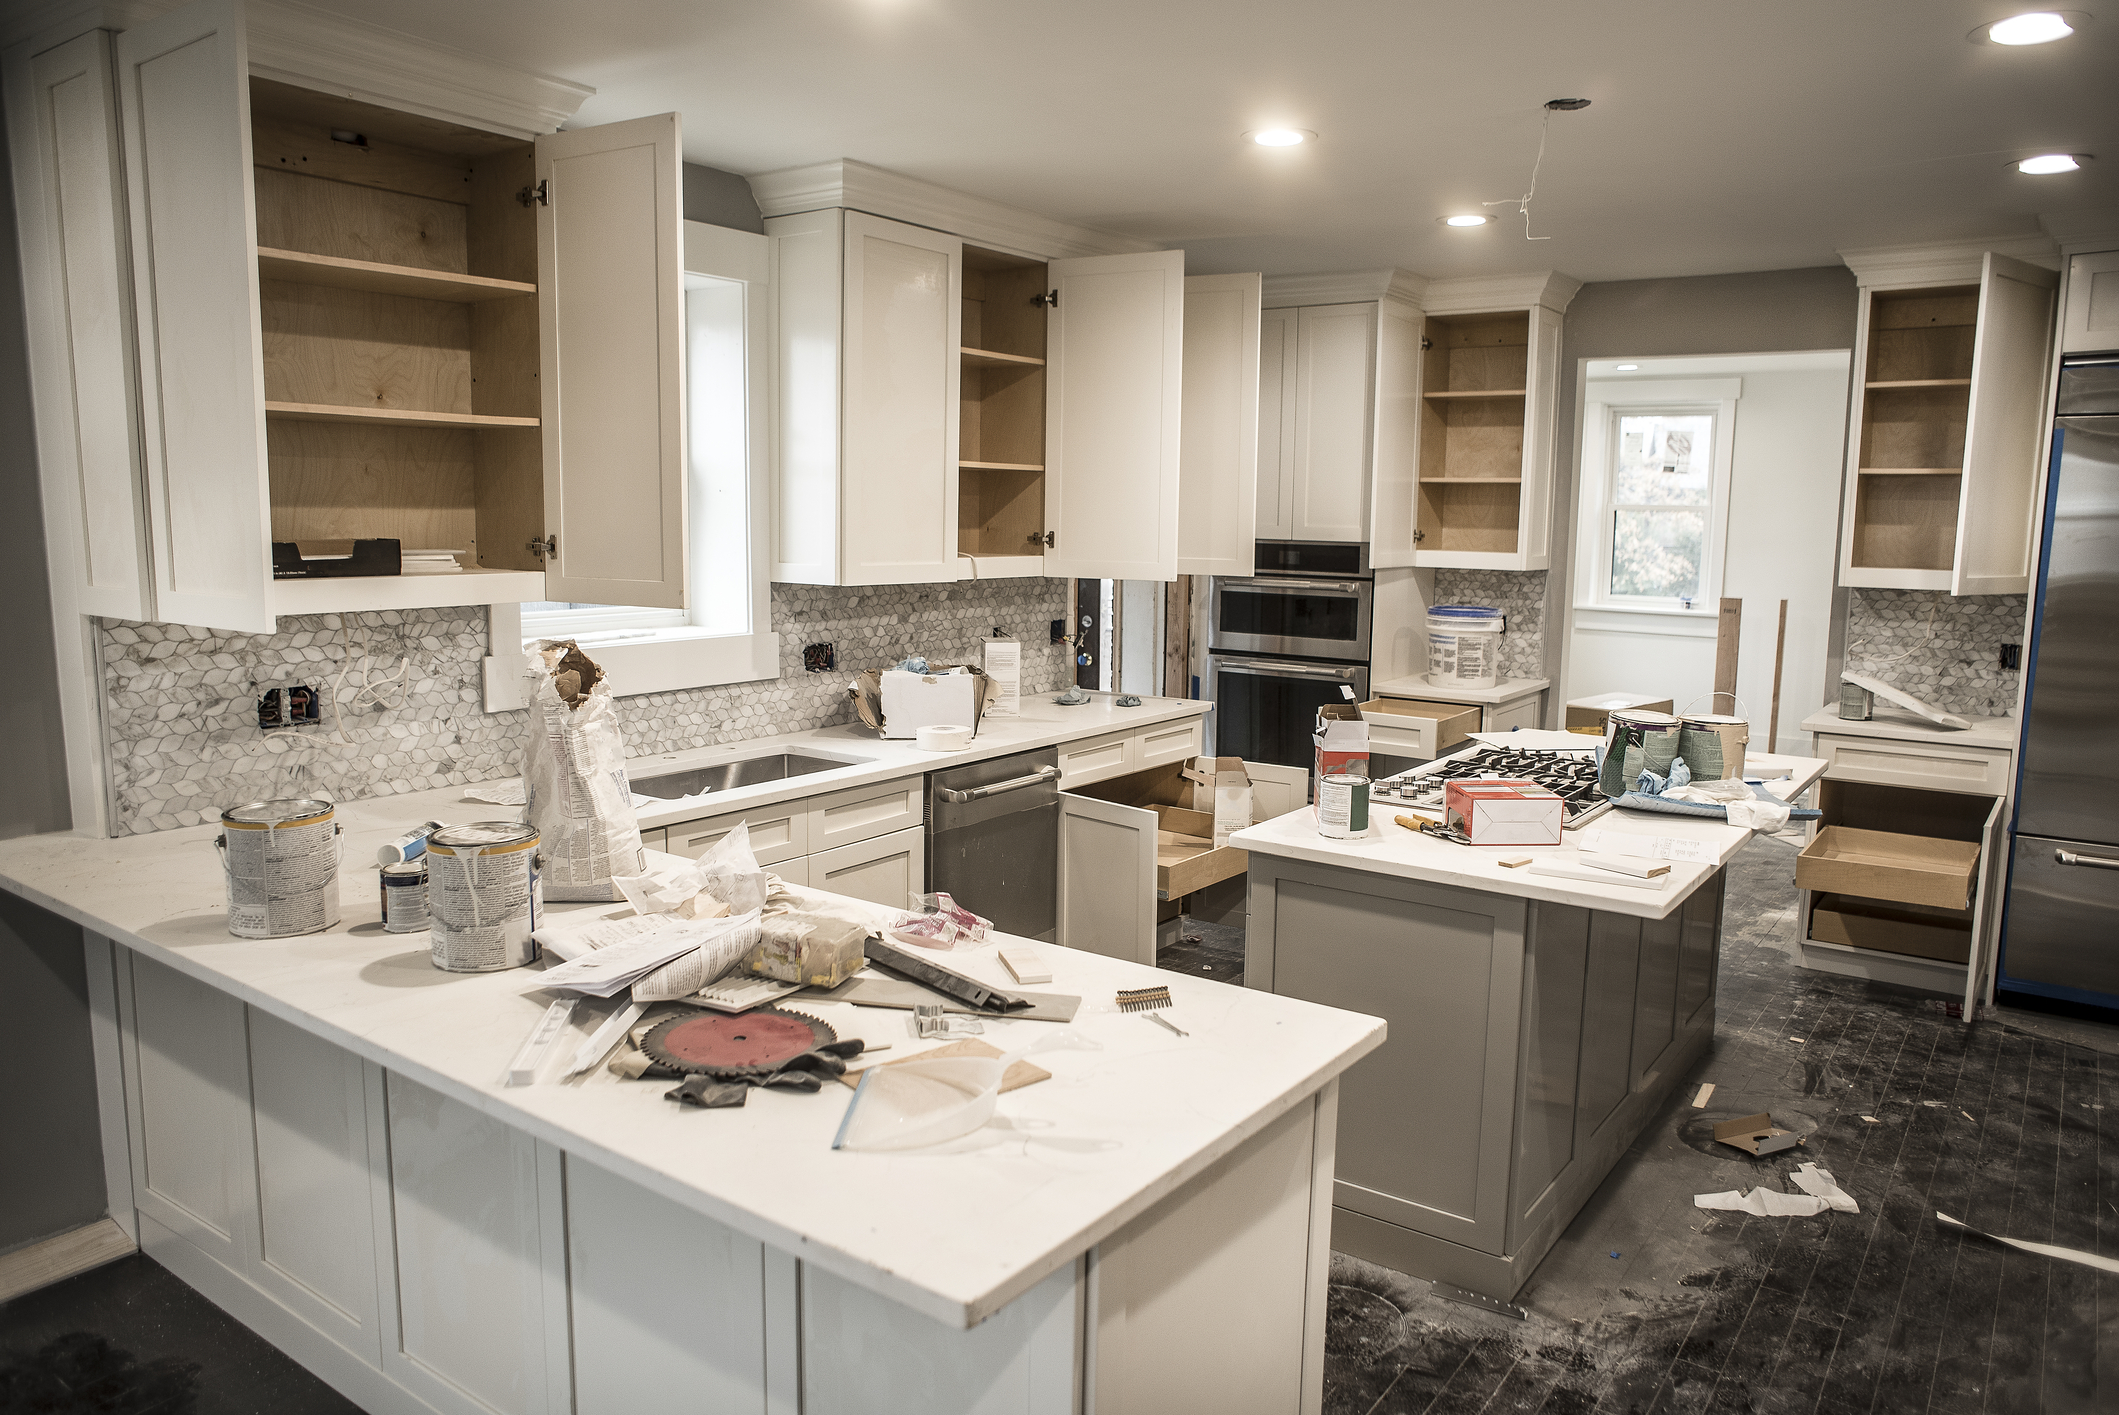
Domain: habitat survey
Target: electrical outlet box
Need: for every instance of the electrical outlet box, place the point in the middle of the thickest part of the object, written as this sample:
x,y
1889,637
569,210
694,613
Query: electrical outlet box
x,y
1059,631
289,707
819,658
2012,655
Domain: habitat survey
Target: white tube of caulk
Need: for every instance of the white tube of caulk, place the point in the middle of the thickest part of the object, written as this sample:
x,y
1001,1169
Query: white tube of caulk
x,y
409,846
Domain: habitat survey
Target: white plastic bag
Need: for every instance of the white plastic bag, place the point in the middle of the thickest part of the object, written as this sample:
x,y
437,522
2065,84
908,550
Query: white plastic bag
x,y
573,772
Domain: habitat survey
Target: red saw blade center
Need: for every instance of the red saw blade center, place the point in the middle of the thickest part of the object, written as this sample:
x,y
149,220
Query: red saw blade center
x,y
752,1039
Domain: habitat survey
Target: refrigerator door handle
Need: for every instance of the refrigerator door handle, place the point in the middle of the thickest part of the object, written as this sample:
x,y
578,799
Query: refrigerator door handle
x,y
2069,857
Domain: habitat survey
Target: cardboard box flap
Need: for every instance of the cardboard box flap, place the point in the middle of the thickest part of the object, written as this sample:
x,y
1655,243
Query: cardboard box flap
x,y
1756,1135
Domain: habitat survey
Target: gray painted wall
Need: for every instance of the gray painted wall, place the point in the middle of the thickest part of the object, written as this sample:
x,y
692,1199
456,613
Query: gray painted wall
x,y
720,199
1762,312
53,1177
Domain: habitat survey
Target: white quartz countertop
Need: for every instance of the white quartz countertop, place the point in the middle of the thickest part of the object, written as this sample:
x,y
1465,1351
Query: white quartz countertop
x,y
1898,725
1391,849
871,758
955,1233
1415,685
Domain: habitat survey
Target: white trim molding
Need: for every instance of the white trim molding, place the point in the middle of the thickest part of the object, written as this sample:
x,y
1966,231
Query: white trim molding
x,y
860,187
1944,262
1344,288
1471,294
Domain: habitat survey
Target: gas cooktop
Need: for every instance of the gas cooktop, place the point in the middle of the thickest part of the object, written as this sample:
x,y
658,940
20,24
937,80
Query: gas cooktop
x,y
1572,776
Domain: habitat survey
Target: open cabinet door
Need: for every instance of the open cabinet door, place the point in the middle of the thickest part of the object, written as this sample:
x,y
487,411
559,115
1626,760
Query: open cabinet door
x,y
1114,370
1107,878
1992,892
1276,790
1217,498
610,279
2002,428
184,100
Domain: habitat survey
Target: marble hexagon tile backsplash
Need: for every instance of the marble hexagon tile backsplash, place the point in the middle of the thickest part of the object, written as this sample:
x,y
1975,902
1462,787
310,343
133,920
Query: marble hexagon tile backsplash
x,y
1941,648
180,703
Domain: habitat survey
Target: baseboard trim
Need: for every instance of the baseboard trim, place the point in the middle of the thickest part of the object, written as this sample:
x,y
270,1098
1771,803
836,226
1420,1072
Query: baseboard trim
x,y
62,1256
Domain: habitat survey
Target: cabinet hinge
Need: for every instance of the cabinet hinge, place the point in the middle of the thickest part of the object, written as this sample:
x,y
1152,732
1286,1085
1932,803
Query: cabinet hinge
x,y
541,194
1045,539
1046,301
546,549
1418,535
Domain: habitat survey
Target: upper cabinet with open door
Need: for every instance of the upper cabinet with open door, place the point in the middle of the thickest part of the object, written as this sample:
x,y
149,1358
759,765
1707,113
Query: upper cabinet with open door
x,y
1946,425
354,322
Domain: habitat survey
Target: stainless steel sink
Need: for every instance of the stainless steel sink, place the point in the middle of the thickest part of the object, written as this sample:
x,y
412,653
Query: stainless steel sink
x,y
727,776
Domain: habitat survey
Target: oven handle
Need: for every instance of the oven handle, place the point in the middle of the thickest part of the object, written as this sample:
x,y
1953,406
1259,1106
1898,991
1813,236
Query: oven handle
x,y
1339,587
979,793
2069,857
1295,670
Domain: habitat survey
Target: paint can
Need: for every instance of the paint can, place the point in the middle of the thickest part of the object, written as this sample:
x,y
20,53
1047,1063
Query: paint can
x,y
1713,745
281,860
1636,740
404,887
1343,806
483,896
409,846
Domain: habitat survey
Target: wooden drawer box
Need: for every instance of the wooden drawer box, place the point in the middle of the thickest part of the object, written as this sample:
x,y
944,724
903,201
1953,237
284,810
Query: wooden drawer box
x,y
1882,864
1941,934
1407,727
1931,767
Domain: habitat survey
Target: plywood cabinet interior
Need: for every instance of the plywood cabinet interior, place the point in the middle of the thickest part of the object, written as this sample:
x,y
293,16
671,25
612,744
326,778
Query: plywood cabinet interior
x,y
1001,432
1474,395
1946,426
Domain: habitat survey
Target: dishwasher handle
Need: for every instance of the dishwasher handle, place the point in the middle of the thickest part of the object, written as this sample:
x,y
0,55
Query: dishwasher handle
x,y
2069,857
979,793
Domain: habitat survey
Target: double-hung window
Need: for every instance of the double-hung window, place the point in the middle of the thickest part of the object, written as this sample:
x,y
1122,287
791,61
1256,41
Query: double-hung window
x,y
1655,493
725,634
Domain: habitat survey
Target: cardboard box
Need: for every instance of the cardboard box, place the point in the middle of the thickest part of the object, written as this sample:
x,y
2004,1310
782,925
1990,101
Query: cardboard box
x,y
1882,864
1342,741
1941,934
1004,665
1756,1135
898,704
1502,811
1221,787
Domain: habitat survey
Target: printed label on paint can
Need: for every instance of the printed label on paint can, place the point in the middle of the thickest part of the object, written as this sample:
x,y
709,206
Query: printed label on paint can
x,y
1343,806
483,896
281,860
404,888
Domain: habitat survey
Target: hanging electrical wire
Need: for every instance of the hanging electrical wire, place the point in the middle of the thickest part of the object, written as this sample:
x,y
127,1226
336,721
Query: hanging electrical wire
x,y
1522,203
368,690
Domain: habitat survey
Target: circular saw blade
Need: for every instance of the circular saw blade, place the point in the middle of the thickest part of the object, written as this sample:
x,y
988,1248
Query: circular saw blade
x,y
754,1043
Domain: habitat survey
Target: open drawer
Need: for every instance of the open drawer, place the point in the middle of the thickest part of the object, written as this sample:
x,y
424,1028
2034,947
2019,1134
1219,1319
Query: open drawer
x,y
1408,727
1883,864
1911,929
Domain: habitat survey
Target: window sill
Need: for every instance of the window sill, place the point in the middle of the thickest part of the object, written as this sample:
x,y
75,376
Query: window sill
x,y
640,662
1640,619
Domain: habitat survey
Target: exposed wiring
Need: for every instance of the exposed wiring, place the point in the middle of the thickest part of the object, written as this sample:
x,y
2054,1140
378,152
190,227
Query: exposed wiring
x,y
1522,203
368,689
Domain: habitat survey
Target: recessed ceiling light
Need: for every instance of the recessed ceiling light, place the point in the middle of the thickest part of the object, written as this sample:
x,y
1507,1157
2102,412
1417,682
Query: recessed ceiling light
x,y
1465,220
2037,27
2047,164
1626,368
1281,137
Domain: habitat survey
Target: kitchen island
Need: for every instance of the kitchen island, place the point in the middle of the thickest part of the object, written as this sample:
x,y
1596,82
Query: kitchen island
x,y
1536,1022
312,1131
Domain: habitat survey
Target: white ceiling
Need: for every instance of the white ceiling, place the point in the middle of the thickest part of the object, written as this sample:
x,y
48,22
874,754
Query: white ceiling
x,y
1724,135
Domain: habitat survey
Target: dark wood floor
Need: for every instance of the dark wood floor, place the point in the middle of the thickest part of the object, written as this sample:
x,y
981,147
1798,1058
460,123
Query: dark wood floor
x,y
1649,1304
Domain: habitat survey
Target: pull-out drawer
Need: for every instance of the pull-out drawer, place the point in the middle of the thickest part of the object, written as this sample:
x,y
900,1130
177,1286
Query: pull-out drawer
x,y
777,832
864,812
1171,742
1097,758
1405,727
1936,766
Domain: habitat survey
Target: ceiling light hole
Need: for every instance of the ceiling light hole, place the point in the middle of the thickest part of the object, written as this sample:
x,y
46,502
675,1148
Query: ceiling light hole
x,y
1281,137
2047,164
2037,27
1464,219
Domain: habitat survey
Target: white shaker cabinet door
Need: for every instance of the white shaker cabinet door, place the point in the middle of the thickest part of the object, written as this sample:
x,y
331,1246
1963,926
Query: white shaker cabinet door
x,y
887,870
1107,878
1114,370
1394,481
1218,494
610,255
2004,428
1276,426
1335,381
184,98
70,171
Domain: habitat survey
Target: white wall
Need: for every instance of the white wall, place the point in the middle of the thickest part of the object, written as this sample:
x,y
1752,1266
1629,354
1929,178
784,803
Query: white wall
x,y
1783,525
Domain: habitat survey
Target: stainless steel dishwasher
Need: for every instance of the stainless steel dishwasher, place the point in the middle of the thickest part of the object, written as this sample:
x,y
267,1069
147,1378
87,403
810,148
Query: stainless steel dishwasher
x,y
993,840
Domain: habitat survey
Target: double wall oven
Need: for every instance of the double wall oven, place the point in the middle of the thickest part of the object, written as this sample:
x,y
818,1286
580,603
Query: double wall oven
x,y
1285,640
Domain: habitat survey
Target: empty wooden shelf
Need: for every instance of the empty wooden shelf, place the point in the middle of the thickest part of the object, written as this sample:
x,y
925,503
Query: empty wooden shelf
x,y
389,417
374,276
988,358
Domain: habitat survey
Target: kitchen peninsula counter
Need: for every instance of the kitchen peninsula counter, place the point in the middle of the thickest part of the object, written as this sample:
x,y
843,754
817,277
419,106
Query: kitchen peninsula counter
x,y
1537,1023
319,1140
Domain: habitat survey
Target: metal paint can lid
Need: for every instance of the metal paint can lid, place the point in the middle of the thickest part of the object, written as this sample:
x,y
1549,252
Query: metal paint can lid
x,y
268,815
481,837
405,872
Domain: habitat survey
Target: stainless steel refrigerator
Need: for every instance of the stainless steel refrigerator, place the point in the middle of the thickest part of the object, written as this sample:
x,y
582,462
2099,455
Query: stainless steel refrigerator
x,y
2060,935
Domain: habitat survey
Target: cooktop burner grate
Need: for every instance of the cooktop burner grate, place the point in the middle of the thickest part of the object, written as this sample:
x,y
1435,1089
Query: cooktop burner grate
x,y
1572,776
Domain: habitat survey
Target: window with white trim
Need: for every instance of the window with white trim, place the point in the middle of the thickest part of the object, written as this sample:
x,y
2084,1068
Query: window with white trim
x,y
1655,490
725,635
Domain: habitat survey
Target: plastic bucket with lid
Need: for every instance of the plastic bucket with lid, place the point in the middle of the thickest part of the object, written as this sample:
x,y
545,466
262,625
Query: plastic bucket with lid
x,y
1464,646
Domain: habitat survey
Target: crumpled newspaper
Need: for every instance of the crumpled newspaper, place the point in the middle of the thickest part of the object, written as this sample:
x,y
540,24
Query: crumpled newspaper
x,y
1820,1192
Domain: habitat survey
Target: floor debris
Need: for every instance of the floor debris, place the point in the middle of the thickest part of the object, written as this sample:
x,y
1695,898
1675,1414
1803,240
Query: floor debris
x,y
2072,1255
1820,1192
1699,1102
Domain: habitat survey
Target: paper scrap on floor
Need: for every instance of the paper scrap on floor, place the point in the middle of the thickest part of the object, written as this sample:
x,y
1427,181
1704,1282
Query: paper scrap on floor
x,y
1820,1192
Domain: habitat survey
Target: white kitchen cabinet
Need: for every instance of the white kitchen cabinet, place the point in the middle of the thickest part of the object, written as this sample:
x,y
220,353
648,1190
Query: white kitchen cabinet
x,y
1107,878
1338,424
886,870
2090,324
778,833
1217,494
1946,426
334,340
867,338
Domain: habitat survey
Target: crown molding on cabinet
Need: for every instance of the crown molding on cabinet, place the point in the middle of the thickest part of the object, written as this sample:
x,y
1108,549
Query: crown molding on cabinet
x,y
860,187
56,21
1944,262
1343,287
315,49
2079,233
1472,293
